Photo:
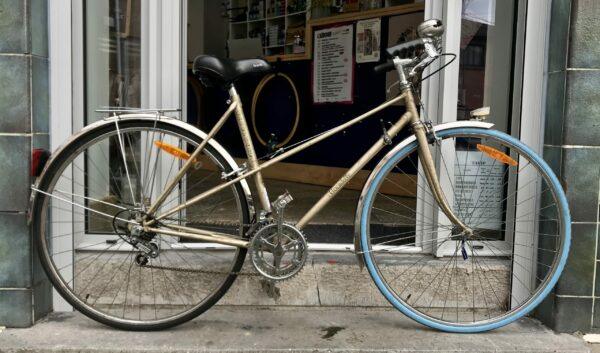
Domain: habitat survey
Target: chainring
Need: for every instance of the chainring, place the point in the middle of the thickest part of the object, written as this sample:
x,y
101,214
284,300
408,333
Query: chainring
x,y
278,252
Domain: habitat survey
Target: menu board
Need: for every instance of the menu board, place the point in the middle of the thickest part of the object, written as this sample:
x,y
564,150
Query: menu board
x,y
333,68
478,181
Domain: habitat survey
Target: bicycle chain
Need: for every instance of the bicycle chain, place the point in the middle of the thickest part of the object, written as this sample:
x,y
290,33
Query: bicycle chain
x,y
251,229
189,270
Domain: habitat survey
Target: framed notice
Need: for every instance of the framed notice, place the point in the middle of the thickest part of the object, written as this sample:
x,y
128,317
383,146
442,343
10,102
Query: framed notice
x,y
368,40
333,65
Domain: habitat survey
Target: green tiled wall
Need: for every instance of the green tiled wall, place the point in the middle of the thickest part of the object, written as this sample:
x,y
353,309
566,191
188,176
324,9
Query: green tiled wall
x,y
24,120
572,146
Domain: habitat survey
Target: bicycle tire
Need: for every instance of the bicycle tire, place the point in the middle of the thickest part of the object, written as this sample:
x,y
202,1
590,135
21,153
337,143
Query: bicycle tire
x,y
400,303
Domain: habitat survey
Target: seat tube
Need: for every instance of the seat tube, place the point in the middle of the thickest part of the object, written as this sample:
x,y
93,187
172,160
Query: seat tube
x,y
249,147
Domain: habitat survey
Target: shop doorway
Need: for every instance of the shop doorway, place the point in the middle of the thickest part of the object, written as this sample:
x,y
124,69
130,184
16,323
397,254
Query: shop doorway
x,y
488,36
136,54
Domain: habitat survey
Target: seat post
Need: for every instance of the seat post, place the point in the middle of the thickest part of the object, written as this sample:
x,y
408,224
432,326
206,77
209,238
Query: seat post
x,y
249,147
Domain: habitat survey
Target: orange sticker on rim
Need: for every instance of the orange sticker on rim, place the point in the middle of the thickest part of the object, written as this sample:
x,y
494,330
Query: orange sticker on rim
x,y
497,155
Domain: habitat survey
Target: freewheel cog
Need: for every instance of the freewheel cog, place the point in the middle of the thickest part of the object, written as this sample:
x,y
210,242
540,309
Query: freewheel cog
x,y
278,251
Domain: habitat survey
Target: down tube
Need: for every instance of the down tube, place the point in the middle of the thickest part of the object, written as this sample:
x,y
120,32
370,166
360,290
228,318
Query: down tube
x,y
372,152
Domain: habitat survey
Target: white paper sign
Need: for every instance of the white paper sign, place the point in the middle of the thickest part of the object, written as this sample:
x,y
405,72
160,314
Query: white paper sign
x,y
333,69
368,40
482,11
478,183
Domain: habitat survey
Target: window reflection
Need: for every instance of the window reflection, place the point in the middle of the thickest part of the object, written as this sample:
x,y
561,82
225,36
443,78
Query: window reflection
x,y
486,59
113,61
112,79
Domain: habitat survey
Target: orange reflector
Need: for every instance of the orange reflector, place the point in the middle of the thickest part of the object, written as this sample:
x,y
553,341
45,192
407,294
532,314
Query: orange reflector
x,y
497,155
172,150
176,152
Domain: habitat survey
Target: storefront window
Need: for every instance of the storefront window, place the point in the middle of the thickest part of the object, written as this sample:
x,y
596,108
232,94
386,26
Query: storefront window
x,y
486,59
112,60
112,80
485,80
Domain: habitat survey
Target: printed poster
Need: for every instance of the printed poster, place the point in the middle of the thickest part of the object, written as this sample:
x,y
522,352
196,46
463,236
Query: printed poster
x,y
368,40
333,68
478,181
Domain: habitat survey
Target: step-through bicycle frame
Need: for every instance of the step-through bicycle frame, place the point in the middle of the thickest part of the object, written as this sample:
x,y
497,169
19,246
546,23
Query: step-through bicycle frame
x,y
410,117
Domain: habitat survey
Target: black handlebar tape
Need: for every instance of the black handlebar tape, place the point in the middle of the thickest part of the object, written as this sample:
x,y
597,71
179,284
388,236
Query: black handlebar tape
x,y
385,67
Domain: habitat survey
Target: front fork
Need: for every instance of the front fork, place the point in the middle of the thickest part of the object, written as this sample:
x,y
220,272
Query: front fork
x,y
420,131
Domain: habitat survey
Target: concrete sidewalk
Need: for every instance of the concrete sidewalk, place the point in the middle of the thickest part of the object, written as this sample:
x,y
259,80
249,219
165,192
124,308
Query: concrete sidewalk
x,y
283,329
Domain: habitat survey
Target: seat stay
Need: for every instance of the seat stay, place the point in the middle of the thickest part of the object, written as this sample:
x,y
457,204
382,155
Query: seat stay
x,y
193,157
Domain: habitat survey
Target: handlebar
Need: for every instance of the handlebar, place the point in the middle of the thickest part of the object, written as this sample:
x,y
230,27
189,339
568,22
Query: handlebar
x,y
409,50
409,55
403,50
385,67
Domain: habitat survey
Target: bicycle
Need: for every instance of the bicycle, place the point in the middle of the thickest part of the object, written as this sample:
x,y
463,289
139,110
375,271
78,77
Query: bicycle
x,y
461,227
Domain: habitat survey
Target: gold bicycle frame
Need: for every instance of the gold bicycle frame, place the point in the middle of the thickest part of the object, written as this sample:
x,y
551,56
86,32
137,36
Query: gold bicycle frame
x,y
254,168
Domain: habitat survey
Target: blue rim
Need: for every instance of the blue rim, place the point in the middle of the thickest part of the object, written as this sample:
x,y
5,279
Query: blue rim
x,y
562,200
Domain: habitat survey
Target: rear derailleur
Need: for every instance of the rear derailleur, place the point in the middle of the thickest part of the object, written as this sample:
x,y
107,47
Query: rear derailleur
x,y
134,235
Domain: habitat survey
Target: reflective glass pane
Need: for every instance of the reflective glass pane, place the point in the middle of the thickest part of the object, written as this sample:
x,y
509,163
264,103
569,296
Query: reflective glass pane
x,y
112,55
485,80
486,59
112,79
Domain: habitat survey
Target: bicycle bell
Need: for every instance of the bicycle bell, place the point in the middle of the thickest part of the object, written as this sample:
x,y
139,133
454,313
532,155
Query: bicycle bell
x,y
431,29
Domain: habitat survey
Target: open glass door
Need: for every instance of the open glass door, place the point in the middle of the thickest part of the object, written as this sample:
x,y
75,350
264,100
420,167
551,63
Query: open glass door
x,y
489,37
125,68
126,55
112,71
490,41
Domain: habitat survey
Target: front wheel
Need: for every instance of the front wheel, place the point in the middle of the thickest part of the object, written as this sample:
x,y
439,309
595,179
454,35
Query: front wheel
x,y
459,281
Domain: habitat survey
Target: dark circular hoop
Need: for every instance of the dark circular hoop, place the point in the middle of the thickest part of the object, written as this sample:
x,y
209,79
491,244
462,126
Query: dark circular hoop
x,y
257,93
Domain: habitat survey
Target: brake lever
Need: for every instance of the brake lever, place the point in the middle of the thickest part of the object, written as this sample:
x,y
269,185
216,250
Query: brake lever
x,y
432,54
422,64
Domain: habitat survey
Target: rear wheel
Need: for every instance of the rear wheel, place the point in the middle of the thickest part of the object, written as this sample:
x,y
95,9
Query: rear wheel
x,y
448,279
89,201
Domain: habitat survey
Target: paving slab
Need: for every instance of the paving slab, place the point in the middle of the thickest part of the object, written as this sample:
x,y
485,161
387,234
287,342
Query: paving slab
x,y
283,329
